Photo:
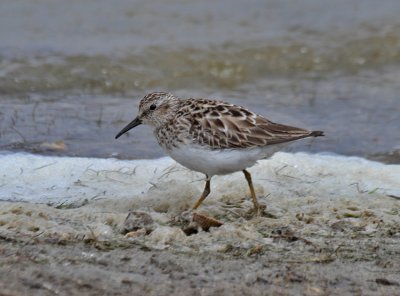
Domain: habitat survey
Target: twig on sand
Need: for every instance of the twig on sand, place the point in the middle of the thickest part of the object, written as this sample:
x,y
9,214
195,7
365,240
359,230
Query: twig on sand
x,y
44,166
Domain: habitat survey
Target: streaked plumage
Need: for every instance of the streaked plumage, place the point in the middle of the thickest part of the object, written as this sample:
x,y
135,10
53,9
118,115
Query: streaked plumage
x,y
213,137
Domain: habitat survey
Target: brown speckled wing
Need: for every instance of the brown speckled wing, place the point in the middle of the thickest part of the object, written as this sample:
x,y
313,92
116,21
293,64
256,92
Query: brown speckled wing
x,y
221,125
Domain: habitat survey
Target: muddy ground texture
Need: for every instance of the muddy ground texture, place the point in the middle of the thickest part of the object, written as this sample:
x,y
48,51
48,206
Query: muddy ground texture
x,y
87,251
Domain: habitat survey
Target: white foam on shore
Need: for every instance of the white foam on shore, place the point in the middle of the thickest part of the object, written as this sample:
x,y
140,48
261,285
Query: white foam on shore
x,y
55,180
67,180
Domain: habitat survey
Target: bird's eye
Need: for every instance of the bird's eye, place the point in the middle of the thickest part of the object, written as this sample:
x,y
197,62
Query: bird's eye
x,y
153,107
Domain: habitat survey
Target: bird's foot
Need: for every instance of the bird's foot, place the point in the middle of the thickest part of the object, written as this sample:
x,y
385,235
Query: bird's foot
x,y
257,211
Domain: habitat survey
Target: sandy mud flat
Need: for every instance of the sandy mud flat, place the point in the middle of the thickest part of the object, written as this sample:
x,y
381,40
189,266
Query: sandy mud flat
x,y
86,226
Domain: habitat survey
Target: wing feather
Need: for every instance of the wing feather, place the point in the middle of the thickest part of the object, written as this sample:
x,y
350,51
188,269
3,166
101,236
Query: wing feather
x,y
221,125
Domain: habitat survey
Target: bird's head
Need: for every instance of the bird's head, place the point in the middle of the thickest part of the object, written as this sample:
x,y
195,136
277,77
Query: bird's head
x,y
155,109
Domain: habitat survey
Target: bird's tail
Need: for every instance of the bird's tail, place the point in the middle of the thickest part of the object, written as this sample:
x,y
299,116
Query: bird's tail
x,y
317,134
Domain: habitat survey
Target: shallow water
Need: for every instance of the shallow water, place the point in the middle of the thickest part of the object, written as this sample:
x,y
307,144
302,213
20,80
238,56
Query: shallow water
x,y
71,74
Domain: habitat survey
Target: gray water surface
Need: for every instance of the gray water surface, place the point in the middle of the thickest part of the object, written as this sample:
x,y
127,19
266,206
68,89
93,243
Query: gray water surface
x,y
72,73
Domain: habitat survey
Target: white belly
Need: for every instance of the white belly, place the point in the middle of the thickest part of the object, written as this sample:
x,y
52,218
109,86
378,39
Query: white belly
x,y
219,162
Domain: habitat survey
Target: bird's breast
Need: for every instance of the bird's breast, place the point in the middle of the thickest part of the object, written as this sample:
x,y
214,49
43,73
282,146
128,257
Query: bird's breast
x,y
215,162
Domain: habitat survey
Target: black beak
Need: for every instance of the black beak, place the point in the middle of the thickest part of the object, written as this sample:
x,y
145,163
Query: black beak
x,y
131,125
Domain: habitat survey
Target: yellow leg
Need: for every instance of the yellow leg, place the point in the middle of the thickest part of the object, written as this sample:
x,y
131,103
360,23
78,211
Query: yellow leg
x,y
252,192
205,193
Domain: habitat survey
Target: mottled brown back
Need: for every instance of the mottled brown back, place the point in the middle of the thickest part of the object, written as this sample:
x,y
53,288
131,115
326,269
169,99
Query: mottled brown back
x,y
221,125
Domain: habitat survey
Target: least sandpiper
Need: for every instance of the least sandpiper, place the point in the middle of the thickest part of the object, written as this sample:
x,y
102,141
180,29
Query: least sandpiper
x,y
213,137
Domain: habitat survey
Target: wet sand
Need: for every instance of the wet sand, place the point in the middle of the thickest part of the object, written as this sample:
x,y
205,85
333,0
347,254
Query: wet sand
x,y
32,265
331,227
289,258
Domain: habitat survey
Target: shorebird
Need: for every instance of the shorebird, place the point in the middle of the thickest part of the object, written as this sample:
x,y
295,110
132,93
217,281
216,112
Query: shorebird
x,y
213,137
